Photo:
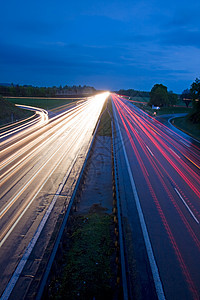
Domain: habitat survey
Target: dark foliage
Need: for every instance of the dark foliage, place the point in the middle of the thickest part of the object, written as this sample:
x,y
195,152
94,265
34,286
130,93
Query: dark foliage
x,y
186,97
133,93
32,91
195,92
159,96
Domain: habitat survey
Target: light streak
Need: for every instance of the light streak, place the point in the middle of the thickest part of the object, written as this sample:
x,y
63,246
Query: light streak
x,y
129,120
161,146
149,151
192,162
67,134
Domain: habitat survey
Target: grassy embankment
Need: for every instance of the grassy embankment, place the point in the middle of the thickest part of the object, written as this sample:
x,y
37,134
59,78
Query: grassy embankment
x,y
162,110
188,127
9,113
45,103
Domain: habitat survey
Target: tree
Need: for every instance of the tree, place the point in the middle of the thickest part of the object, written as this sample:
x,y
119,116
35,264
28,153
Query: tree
x,y
195,92
186,97
173,98
159,95
195,89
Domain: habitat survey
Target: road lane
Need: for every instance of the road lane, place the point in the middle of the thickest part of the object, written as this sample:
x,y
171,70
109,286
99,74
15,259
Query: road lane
x,y
168,186
32,168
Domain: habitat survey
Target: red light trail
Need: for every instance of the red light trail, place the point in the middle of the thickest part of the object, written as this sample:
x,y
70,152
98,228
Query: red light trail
x,y
152,143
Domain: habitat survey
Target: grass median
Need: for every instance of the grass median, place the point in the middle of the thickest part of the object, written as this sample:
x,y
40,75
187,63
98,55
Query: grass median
x,y
87,273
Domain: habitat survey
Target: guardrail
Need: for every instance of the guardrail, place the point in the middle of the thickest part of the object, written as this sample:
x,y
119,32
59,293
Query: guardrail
x,y
121,241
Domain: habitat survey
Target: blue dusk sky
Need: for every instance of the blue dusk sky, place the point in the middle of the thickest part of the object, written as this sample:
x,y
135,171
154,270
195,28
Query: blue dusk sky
x,y
105,44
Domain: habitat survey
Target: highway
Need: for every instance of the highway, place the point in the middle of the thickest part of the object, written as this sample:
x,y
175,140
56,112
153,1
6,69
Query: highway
x,y
35,162
160,188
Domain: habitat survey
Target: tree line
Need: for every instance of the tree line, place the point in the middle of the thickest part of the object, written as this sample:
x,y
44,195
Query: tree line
x,y
194,94
133,93
32,91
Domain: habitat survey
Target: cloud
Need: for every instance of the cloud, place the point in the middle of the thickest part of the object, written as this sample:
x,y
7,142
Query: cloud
x,y
78,59
132,43
181,37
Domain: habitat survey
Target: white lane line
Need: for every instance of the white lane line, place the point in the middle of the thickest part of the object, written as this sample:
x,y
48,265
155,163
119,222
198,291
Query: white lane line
x,y
154,268
183,142
174,152
186,205
149,150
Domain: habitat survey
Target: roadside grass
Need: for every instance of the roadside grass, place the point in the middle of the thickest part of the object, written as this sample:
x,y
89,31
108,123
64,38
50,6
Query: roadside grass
x,y
87,269
173,110
163,110
45,103
140,99
188,127
9,113
105,125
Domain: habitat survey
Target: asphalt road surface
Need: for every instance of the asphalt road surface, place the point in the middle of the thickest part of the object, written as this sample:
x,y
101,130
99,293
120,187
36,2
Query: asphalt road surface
x,y
33,163
164,175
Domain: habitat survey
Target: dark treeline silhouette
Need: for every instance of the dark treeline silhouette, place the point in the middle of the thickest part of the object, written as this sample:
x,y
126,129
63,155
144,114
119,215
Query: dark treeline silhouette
x,y
32,91
195,94
133,93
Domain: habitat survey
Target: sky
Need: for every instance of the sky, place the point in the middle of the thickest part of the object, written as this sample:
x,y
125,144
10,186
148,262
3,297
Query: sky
x,y
109,44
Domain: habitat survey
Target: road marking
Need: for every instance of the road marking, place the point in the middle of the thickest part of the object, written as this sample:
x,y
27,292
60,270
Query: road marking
x,y
154,268
154,130
174,152
149,150
185,143
186,205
